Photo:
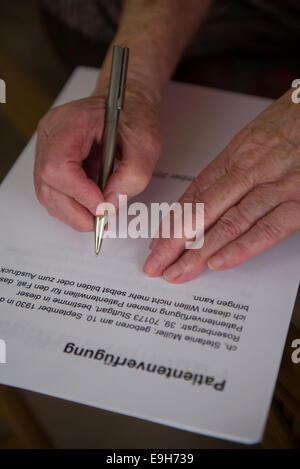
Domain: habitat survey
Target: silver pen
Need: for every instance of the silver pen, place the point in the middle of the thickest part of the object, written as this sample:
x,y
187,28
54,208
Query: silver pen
x,y
115,104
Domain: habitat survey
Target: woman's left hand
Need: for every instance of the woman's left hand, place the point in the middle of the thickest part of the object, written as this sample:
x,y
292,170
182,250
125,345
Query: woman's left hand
x,y
251,196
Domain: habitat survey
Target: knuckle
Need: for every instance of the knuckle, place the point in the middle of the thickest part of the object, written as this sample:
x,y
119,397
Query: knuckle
x,y
42,193
194,191
230,225
166,247
49,172
207,212
41,127
293,210
268,231
266,192
241,177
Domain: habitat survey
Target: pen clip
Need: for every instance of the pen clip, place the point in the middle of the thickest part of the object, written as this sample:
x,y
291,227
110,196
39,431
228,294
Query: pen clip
x,y
123,78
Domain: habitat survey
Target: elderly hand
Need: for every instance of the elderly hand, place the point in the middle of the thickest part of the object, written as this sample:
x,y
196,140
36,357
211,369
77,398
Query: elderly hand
x,y
68,153
251,193
69,137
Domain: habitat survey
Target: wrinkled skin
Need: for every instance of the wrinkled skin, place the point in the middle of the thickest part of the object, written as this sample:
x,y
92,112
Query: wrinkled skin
x,y
68,151
251,193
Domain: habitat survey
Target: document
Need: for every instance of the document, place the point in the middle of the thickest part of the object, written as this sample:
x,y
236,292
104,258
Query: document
x,y
202,356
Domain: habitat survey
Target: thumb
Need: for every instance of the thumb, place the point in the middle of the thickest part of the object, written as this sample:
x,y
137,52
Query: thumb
x,y
131,176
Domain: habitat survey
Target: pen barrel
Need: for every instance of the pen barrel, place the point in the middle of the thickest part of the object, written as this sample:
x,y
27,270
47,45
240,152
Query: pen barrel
x,y
109,147
115,103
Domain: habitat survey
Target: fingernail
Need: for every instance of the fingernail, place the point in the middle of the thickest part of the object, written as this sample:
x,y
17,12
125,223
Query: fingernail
x,y
216,263
173,272
152,264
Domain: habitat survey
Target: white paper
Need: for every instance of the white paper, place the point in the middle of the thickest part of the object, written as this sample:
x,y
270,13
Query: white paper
x,y
197,123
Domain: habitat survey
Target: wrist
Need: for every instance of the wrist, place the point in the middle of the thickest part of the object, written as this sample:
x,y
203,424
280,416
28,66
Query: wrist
x,y
143,84
156,34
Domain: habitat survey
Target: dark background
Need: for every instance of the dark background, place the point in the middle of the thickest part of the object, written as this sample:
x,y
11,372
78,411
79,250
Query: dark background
x,y
34,75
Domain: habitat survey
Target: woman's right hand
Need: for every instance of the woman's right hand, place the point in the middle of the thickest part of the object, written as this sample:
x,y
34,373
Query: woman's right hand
x,y
68,153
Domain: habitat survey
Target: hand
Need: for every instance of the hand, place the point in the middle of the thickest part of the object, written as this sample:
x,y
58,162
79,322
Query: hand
x,y
251,193
68,154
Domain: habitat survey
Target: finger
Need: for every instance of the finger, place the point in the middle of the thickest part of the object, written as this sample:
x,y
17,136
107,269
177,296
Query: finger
x,y
231,183
235,222
217,199
70,178
134,170
158,260
66,209
59,164
268,231
209,175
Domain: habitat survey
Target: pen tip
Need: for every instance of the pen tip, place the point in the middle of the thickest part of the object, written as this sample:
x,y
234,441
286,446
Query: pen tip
x,y
99,232
98,245
97,251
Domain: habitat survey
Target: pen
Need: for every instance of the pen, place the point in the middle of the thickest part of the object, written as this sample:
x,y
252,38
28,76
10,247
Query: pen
x,y
115,103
